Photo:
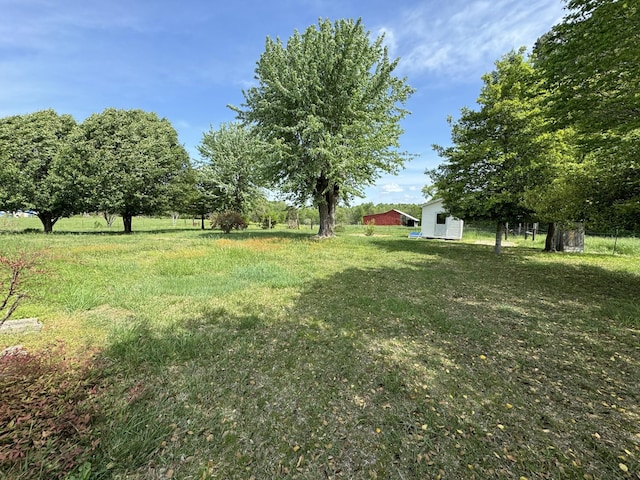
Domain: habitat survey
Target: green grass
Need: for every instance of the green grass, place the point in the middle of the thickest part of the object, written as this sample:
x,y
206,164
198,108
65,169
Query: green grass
x,y
272,355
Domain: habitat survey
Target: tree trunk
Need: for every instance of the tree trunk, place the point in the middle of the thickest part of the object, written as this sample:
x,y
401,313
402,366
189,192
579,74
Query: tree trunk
x,y
550,241
500,227
327,210
109,217
126,220
48,221
327,221
202,222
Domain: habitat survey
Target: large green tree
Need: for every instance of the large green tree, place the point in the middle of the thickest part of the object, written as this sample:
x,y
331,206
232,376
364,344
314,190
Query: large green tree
x,y
591,64
32,147
232,157
129,162
499,151
330,106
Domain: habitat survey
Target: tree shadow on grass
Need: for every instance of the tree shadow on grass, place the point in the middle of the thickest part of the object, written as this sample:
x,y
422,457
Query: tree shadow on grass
x,y
448,362
478,342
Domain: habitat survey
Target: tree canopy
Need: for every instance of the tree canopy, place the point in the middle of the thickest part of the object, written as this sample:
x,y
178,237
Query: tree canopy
x,y
232,157
328,103
32,147
499,151
592,66
128,162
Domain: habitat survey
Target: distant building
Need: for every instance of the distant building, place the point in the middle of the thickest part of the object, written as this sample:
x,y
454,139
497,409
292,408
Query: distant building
x,y
392,217
437,224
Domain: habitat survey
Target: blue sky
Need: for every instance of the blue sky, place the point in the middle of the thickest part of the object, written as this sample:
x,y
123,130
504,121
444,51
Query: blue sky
x,y
187,60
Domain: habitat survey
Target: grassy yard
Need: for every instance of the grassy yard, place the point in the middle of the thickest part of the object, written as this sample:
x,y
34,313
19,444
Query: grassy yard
x,y
272,355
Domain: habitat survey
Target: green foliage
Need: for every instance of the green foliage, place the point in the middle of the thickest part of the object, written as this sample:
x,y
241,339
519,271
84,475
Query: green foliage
x,y
233,156
590,65
328,104
204,197
32,149
590,62
268,222
48,404
128,162
370,228
500,151
83,472
227,221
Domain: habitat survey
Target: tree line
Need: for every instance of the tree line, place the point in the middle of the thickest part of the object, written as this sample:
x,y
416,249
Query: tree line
x,y
125,162
129,162
555,138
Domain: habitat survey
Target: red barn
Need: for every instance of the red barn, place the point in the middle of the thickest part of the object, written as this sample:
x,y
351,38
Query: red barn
x,y
392,217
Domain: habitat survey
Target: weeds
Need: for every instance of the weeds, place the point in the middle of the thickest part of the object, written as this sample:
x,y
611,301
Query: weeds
x,y
11,291
47,409
370,228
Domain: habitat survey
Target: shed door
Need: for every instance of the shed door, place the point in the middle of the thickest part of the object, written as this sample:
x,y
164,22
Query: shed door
x,y
441,225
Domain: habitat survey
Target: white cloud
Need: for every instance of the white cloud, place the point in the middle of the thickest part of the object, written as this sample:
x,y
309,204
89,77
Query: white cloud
x,y
391,188
465,37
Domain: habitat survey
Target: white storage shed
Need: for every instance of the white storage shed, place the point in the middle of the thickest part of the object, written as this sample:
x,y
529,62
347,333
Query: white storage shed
x,y
437,224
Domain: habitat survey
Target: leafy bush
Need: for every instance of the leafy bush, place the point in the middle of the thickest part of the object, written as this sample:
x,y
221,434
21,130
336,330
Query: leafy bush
x,y
369,228
228,221
48,402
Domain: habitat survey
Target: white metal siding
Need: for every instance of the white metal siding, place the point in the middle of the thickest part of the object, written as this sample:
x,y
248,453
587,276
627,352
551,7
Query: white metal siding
x,y
453,227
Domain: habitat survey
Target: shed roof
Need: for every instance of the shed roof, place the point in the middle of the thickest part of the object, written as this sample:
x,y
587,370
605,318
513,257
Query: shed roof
x,y
433,201
406,215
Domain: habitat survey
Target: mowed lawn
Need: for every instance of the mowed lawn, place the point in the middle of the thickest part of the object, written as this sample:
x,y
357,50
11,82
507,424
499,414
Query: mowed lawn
x,y
272,355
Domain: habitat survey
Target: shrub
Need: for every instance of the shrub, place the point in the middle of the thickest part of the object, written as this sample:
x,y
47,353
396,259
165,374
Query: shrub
x,y
369,227
11,291
46,411
227,221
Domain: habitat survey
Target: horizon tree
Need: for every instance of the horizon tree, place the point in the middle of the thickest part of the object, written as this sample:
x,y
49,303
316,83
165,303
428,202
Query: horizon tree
x,y
32,147
129,162
329,106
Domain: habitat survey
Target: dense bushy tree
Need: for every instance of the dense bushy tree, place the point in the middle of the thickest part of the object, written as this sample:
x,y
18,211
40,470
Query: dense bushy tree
x,y
498,151
32,147
232,158
591,64
128,162
592,67
330,106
